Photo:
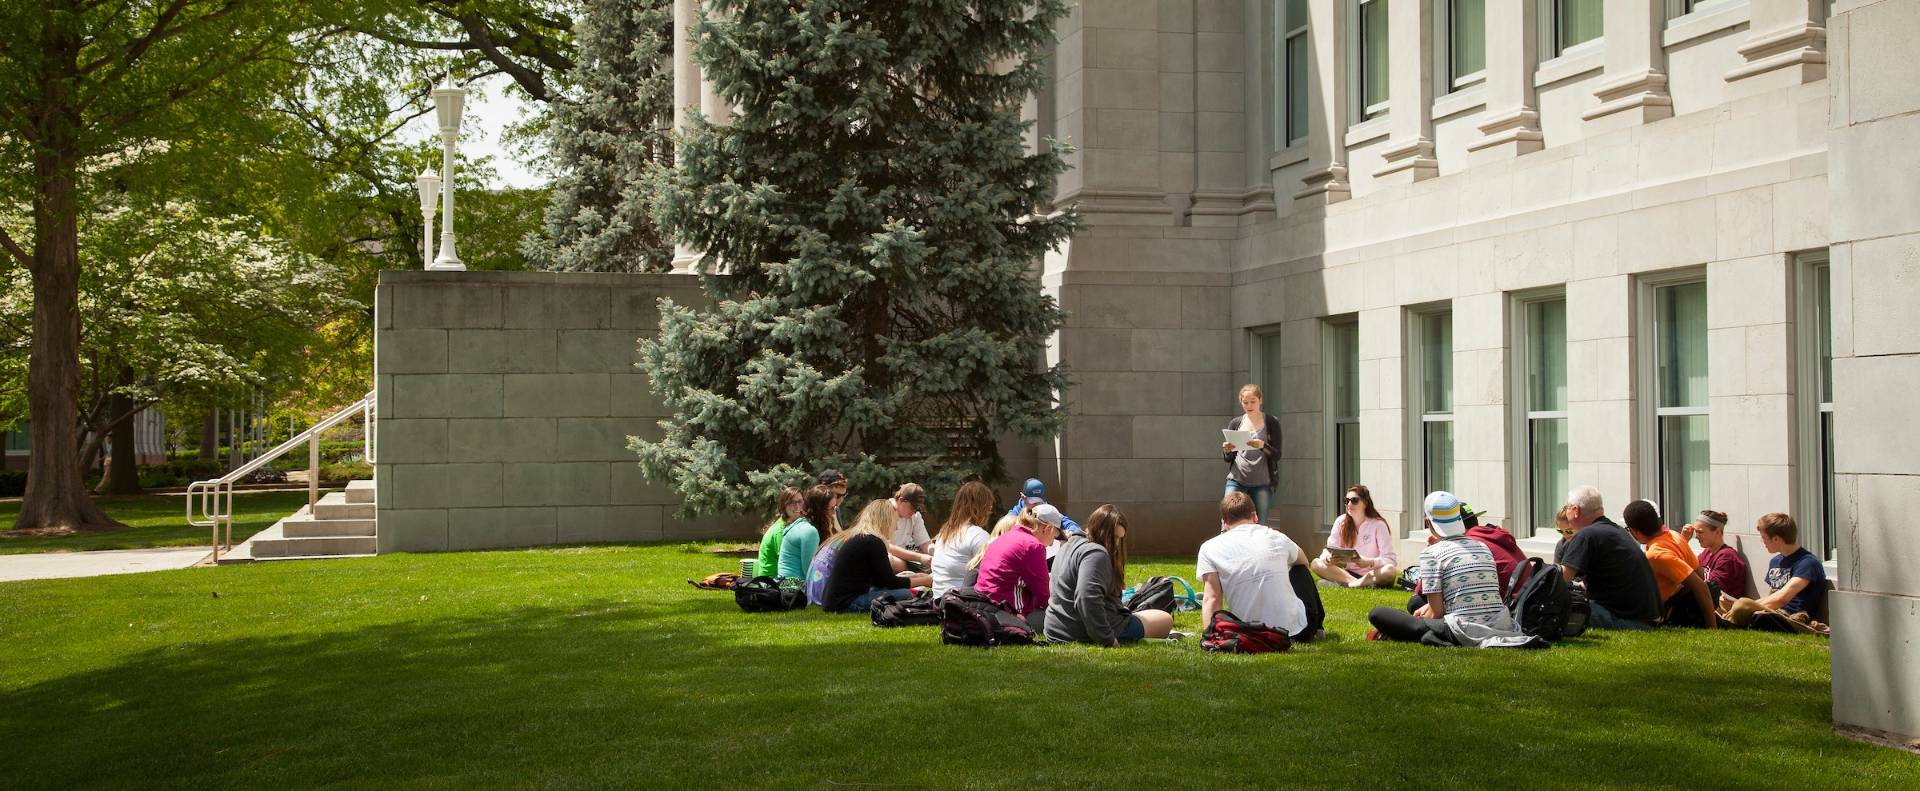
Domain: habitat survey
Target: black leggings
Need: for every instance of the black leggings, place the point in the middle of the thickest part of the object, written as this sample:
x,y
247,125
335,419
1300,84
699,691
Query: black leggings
x,y
1402,627
1308,589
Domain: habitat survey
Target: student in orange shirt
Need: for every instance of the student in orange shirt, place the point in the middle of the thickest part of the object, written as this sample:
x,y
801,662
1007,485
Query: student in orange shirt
x,y
1684,598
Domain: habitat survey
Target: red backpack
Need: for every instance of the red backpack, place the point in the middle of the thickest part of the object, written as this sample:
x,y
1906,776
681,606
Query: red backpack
x,y
1227,634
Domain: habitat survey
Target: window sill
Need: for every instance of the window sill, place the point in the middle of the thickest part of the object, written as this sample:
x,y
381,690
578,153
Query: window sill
x,y
1291,155
1705,22
1472,97
1582,58
1369,130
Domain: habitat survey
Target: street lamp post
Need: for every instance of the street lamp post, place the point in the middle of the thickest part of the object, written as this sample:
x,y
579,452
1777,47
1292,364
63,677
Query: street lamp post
x,y
429,185
447,100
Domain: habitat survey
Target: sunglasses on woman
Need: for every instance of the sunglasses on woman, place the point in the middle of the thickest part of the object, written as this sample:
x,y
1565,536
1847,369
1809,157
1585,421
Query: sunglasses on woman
x,y
1353,501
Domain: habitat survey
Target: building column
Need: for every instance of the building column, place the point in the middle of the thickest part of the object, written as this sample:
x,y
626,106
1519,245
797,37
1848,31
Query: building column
x,y
1327,111
1511,125
1383,416
1874,115
1633,90
686,98
1786,45
1409,152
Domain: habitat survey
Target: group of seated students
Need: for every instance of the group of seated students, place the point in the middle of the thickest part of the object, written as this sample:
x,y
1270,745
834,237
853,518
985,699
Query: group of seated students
x,y
1066,579
1640,576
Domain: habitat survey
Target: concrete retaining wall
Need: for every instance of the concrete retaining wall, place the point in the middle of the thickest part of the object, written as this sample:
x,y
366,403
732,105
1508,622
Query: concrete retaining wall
x,y
505,401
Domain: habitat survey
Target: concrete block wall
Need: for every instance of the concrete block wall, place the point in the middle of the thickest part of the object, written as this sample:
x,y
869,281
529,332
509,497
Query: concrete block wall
x,y
1874,128
505,402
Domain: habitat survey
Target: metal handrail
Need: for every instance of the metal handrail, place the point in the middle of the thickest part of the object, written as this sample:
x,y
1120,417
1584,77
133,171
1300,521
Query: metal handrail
x,y
216,496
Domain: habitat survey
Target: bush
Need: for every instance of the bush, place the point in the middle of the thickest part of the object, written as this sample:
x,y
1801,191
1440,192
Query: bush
x,y
180,472
13,483
336,471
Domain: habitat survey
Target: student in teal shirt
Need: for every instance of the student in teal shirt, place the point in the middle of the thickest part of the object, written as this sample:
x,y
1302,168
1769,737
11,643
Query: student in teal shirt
x,y
789,506
802,537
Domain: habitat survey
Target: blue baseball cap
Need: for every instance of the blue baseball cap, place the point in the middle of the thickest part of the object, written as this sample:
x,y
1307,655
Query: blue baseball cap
x,y
1033,488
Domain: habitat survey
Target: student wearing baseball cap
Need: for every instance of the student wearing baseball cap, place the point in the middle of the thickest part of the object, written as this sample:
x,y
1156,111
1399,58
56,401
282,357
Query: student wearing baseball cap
x,y
1462,587
1034,493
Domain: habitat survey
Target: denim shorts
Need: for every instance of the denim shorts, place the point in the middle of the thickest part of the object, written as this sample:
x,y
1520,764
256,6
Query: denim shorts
x,y
1132,631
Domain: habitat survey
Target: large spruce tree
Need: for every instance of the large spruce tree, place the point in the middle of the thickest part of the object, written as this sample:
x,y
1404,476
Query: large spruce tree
x,y
879,221
605,137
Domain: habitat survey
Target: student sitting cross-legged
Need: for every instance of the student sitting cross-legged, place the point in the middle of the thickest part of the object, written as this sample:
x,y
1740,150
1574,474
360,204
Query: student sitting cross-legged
x,y
1013,567
855,567
1722,564
1619,582
789,507
1684,600
1258,574
1362,530
1088,575
961,538
1795,576
802,536
1462,587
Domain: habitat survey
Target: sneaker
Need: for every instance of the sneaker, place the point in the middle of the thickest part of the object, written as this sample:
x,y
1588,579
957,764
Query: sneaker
x,y
1176,635
1373,634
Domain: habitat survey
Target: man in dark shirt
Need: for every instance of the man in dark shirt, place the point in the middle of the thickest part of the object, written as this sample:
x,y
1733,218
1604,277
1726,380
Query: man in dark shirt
x,y
1796,577
1620,587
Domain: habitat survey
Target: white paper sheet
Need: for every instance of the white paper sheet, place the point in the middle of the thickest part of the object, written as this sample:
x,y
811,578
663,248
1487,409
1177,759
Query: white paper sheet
x,y
1240,439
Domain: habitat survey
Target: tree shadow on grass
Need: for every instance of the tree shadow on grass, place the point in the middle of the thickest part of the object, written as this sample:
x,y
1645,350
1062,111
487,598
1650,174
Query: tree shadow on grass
x,y
684,690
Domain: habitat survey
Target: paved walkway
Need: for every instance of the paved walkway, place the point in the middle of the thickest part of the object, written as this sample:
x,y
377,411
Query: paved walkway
x,y
56,565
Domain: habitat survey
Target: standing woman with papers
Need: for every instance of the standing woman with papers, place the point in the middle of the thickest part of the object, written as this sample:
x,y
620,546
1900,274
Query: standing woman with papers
x,y
1251,448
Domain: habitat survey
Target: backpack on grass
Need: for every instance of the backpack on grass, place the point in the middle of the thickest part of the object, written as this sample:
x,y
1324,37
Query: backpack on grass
x,y
918,611
1158,593
766,594
1544,605
1228,634
968,617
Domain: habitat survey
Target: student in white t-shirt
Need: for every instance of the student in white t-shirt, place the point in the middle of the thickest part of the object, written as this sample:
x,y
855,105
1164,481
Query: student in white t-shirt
x,y
910,528
962,538
1258,574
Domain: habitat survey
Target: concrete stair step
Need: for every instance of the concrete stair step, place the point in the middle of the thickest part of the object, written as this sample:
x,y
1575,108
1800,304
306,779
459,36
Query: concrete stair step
x,y
335,506
298,526
359,492
322,546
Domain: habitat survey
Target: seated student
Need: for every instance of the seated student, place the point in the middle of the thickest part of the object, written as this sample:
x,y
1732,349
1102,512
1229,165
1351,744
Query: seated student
x,y
1619,583
1013,568
910,528
1506,552
802,538
1089,573
1035,493
853,564
837,481
961,538
1360,528
788,507
1724,566
1795,576
1462,587
1051,516
1684,600
1258,574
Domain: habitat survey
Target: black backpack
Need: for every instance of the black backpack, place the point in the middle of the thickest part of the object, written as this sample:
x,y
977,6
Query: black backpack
x,y
968,617
917,611
766,594
1154,594
1543,606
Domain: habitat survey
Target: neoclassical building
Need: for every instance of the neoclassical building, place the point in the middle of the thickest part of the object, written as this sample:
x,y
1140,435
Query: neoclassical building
x,y
1502,247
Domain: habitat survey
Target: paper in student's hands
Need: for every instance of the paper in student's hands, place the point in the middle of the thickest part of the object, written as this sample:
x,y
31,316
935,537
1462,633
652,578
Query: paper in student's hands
x,y
1240,439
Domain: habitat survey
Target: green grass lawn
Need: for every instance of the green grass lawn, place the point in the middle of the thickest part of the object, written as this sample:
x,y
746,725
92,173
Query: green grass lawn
x,y
155,521
601,667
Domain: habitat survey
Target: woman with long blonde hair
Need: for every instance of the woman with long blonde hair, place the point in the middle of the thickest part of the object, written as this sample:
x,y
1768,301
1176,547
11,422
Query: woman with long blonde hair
x,y
1088,575
1013,567
962,537
853,568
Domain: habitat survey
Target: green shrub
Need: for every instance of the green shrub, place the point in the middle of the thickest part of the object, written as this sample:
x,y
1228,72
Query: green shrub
x,y
336,471
13,483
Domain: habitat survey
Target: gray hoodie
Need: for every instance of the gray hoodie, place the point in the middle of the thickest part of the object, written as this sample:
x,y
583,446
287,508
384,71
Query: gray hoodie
x,y
1084,599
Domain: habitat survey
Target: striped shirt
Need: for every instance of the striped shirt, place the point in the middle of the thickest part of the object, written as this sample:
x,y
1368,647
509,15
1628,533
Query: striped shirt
x,y
1462,571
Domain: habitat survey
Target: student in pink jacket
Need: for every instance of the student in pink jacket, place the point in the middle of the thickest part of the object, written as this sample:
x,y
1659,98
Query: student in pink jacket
x,y
1013,568
1361,529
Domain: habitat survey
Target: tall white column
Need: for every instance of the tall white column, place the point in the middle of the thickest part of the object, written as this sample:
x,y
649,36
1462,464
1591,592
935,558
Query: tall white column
x,y
1409,151
1511,126
1633,90
1326,181
689,93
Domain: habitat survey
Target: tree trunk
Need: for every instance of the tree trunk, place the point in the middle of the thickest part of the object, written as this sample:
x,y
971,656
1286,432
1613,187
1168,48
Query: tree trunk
x,y
123,467
210,434
56,496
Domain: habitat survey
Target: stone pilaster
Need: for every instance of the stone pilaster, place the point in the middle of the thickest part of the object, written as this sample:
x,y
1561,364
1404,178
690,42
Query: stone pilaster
x,y
1511,124
1786,45
1633,89
1409,152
